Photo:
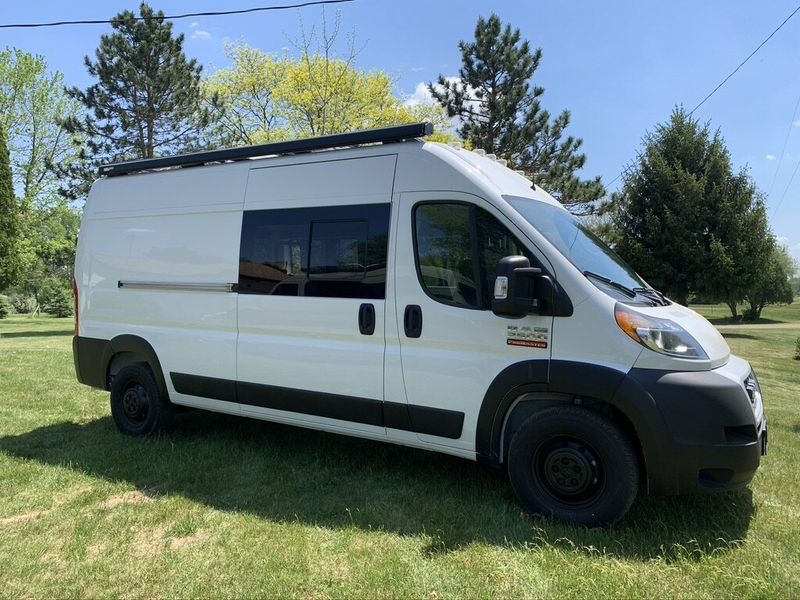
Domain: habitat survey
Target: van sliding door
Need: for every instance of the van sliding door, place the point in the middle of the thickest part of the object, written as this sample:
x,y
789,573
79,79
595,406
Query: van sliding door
x,y
312,287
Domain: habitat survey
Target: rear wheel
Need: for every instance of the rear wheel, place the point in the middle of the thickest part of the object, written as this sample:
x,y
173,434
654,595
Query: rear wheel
x,y
136,404
575,465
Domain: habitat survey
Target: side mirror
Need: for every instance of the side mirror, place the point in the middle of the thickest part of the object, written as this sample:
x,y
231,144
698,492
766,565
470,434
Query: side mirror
x,y
518,288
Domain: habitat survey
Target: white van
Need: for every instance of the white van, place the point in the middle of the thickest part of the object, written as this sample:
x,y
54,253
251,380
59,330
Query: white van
x,y
376,285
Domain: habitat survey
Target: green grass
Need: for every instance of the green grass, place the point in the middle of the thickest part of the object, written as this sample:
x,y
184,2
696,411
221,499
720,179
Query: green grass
x,y
720,314
238,508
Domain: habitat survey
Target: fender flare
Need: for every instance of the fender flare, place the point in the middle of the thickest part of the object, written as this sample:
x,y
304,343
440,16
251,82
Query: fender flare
x,y
141,347
589,380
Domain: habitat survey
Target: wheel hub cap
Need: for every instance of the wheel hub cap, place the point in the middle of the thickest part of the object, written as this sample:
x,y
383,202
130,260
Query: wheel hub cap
x,y
135,403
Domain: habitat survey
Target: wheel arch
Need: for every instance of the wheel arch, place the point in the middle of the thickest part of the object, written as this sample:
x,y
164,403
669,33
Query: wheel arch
x,y
528,386
127,349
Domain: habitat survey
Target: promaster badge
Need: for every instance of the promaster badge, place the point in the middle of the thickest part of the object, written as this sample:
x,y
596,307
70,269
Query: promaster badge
x,y
535,337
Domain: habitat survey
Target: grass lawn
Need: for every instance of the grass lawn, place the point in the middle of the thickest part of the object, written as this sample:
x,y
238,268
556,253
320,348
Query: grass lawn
x,y
720,314
237,508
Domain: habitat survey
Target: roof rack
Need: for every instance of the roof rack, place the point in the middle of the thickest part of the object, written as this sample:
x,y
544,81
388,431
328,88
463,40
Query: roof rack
x,y
356,138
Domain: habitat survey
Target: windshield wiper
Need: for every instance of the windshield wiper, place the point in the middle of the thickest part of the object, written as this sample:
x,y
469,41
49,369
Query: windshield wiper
x,y
652,293
618,286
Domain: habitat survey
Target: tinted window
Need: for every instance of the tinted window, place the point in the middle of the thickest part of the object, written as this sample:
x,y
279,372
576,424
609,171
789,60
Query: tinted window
x,y
458,247
444,253
334,251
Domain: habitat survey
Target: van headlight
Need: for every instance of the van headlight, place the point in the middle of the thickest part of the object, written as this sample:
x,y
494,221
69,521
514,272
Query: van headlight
x,y
660,335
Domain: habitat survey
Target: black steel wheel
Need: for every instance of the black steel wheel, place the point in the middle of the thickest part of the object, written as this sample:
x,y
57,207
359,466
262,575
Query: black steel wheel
x,y
575,465
136,404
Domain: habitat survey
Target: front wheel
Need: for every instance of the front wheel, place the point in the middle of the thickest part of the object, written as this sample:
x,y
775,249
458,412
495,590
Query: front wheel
x,y
575,465
136,404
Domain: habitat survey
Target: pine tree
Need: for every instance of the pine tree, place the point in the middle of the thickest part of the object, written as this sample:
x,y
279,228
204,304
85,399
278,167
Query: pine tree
x,y
10,224
686,221
501,113
146,101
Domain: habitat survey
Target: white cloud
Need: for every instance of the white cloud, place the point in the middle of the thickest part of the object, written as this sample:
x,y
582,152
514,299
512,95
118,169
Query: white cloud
x,y
417,69
194,24
199,34
797,123
421,95
770,157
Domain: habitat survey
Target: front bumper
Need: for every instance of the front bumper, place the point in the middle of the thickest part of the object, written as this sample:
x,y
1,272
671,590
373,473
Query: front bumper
x,y
713,431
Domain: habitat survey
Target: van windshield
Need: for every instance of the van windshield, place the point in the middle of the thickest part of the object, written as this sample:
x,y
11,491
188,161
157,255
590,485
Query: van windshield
x,y
583,248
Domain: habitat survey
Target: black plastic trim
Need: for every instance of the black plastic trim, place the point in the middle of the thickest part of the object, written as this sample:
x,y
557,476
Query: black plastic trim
x,y
204,387
419,419
356,138
93,357
682,420
88,355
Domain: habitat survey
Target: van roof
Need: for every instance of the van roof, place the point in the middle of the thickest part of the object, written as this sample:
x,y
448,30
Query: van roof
x,y
356,138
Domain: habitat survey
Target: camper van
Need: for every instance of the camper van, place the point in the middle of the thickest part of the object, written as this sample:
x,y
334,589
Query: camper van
x,y
377,285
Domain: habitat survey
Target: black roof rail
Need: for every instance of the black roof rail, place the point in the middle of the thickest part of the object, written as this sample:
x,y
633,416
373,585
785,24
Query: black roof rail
x,y
356,138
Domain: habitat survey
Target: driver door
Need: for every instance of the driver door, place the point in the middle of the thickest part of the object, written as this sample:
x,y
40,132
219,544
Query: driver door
x,y
451,344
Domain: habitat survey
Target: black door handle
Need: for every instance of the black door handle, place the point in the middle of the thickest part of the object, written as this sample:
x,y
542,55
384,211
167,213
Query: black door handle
x,y
412,321
366,319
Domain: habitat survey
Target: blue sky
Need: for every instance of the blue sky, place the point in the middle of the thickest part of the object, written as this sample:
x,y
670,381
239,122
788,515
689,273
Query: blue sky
x,y
619,67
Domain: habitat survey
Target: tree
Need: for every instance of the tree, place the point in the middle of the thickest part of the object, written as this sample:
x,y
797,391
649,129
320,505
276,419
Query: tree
x,y
500,111
266,97
686,221
147,97
243,98
772,284
9,220
33,106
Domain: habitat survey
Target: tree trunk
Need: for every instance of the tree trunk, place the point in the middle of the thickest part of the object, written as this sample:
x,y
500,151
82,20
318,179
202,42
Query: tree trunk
x,y
734,311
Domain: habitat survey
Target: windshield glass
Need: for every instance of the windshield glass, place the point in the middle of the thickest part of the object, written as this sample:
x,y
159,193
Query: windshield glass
x,y
575,241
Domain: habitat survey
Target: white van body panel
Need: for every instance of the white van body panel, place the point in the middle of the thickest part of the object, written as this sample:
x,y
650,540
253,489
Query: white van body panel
x,y
139,233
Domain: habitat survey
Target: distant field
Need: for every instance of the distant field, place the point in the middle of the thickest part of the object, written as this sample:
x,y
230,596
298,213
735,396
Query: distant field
x,y
236,508
720,314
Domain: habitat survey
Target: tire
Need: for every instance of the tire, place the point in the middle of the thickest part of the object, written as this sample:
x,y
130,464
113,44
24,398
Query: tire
x,y
575,465
136,404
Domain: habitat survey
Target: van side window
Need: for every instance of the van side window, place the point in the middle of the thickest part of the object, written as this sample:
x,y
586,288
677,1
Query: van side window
x,y
329,251
457,250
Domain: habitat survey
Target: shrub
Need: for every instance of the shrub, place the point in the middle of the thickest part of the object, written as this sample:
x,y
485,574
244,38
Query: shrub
x,y
797,349
55,298
5,306
23,304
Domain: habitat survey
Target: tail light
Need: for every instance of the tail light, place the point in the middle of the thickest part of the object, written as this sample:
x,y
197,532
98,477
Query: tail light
x,y
75,293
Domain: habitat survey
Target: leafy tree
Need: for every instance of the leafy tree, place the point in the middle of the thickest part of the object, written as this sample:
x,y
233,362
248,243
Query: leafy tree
x,y
243,98
33,106
264,97
146,100
687,221
10,222
772,284
500,110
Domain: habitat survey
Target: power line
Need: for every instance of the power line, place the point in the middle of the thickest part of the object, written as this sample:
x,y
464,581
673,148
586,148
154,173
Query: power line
x,y
749,56
217,13
783,150
731,74
786,191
